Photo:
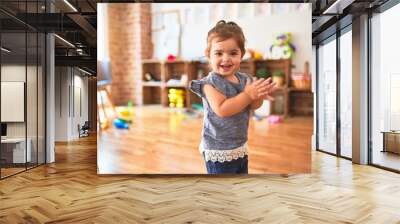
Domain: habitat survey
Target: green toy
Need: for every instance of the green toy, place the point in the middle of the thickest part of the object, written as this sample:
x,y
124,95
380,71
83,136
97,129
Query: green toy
x,y
126,113
282,48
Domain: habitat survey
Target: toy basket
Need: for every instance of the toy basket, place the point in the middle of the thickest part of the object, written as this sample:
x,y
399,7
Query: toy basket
x,y
301,81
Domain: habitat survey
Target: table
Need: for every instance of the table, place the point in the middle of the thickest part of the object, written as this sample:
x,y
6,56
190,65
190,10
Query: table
x,y
18,150
391,141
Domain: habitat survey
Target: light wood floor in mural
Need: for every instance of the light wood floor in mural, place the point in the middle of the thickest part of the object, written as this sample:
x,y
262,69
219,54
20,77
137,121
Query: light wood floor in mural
x,y
164,141
70,191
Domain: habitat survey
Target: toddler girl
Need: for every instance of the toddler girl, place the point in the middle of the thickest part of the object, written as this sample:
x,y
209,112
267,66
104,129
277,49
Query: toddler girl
x,y
228,96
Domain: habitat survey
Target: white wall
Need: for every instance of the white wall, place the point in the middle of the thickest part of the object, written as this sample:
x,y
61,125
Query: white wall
x,y
33,127
71,94
12,73
80,110
259,30
61,103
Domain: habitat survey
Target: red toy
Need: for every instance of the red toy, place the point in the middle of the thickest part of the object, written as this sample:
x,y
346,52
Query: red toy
x,y
171,57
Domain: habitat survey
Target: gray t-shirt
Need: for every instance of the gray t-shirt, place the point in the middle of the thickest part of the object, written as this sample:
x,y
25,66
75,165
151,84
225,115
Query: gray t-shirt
x,y
223,133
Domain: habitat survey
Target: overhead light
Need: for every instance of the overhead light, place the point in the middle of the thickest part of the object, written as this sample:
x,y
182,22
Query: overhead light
x,y
84,71
5,49
65,41
338,6
70,5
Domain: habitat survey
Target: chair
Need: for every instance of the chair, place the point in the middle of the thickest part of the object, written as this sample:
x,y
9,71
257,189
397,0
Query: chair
x,y
84,130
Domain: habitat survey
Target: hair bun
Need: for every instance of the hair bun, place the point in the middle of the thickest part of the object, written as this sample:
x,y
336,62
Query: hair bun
x,y
221,22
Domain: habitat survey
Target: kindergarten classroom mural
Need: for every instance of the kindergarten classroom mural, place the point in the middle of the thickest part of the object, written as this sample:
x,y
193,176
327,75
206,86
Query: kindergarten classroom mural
x,y
149,119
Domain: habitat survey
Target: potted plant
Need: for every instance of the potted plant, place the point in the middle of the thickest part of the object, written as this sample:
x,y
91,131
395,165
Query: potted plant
x,y
262,73
278,78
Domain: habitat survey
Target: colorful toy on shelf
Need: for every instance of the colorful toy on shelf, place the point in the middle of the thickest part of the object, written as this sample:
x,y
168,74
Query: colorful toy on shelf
x,y
149,77
171,57
252,54
176,97
257,55
302,80
120,124
282,48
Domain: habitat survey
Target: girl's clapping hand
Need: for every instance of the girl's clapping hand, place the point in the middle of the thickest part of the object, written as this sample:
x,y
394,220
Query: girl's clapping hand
x,y
252,89
260,89
266,88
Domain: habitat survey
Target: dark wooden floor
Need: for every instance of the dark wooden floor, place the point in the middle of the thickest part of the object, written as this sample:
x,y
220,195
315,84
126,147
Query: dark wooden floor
x,y
163,141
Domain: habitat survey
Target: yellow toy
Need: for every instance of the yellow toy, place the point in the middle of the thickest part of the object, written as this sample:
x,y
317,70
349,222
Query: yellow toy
x,y
176,98
126,113
252,54
258,55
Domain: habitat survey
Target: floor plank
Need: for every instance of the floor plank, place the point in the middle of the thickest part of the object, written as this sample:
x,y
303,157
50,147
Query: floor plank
x,y
165,141
70,191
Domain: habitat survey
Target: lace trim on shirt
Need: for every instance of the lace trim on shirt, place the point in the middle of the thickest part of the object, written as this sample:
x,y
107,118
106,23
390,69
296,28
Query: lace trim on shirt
x,y
224,155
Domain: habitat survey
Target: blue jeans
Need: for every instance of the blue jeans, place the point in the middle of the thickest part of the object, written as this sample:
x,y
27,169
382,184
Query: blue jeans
x,y
238,166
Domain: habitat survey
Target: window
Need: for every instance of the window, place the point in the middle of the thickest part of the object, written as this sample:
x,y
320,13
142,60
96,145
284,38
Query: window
x,y
327,96
346,94
385,89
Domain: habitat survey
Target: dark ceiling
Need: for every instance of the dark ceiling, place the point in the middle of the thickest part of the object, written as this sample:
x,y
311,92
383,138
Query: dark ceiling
x,y
332,15
76,22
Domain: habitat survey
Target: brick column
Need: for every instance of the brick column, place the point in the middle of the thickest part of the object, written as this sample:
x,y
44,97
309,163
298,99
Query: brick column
x,y
129,43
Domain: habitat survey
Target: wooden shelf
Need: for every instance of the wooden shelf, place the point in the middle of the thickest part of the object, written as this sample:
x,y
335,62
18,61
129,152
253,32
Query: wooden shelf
x,y
164,71
288,99
283,88
175,62
152,83
301,102
175,86
299,90
150,61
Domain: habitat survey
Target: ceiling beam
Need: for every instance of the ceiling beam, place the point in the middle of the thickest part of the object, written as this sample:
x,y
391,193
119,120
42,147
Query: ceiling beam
x,y
320,22
83,61
84,24
337,7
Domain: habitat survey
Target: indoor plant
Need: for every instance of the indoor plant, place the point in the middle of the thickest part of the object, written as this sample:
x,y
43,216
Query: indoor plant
x,y
262,73
278,78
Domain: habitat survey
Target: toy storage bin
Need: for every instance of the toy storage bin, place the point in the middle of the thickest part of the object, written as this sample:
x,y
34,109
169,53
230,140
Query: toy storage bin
x,y
301,81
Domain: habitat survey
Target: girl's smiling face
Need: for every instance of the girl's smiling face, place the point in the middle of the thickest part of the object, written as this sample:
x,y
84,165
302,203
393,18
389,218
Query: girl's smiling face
x,y
225,56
